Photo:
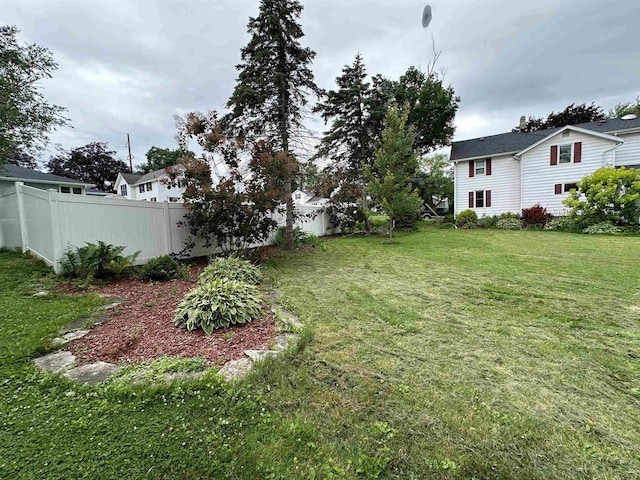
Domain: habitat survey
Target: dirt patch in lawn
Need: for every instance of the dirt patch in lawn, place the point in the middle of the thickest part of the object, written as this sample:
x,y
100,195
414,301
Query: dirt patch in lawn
x,y
142,328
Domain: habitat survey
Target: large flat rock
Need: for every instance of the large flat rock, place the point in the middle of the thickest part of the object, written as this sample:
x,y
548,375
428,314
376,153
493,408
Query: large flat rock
x,y
85,323
56,362
258,355
93,373
284,340
236,368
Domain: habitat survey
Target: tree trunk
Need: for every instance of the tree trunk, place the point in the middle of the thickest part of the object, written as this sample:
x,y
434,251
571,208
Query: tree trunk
x,y
390,230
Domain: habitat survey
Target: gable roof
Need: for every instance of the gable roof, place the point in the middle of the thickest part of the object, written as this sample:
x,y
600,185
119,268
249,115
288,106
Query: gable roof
x,y
135,179
130,178
16,173
514,142
572,128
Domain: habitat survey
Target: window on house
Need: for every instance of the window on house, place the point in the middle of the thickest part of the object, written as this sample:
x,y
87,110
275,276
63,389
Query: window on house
x,y
65,189
123,190
480,167
149,187
298,196
174,199
564,155
479,198
77,190
179,183
153,199
141,188
570,186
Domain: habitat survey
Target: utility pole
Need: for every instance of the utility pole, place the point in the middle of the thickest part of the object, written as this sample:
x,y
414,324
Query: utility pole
x,y
130,156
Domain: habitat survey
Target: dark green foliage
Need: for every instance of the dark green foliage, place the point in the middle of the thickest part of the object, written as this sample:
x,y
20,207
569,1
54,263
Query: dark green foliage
x,y
395,164
466,217
274,81
94,163
572,115
161,269
233,268
96,260
607,195
434,181
536,215
159,158
300,238
26,118
218,303
488,222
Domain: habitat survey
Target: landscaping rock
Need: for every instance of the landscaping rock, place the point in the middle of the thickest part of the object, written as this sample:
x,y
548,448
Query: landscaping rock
x,y
67,337
113,301
284,340
85,323
236,368
93,373
258,355
289,318
56,362
43,293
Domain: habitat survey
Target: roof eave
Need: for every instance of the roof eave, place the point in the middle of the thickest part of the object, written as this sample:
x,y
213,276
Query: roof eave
x,y
48,182
572,128
481,157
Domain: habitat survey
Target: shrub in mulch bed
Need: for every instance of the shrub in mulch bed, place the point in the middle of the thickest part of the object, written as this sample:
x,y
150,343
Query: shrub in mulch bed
x,y
143,329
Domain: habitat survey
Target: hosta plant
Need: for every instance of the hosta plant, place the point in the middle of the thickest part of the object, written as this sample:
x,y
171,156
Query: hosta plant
x,y
232,268
218,303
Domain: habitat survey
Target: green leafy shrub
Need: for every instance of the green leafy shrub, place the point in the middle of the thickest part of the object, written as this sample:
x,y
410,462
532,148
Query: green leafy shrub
x,y
602,228
218,303
95,260
536,215
233,268
607,195
162,269
509,224
300,238
564,224
488,222
466,217
509,215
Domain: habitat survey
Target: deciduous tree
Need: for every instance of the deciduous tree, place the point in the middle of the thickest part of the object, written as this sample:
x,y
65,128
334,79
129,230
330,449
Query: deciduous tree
x,y
26,118
159,158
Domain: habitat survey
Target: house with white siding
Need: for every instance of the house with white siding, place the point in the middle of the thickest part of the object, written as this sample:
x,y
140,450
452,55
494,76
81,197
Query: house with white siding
x,y
516,170
154,186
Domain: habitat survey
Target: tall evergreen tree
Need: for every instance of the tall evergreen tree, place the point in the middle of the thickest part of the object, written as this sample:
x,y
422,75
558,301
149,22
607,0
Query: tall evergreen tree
x,y
273,85
348,144
395,165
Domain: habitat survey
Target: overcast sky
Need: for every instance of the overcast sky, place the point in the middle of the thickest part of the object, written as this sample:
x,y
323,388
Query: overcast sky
x,y
130,66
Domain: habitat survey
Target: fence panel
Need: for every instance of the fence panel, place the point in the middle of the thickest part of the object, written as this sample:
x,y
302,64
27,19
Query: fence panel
x,y
38,223
10,236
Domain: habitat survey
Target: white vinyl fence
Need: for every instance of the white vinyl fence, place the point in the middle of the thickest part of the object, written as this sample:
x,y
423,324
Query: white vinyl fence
x,y
46,223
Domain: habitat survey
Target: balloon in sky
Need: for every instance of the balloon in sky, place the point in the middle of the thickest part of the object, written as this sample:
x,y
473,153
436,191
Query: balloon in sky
x,y
426,16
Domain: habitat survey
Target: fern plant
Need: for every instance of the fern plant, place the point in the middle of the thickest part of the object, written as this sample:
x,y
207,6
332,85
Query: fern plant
x,y
96,260
218,303
233,268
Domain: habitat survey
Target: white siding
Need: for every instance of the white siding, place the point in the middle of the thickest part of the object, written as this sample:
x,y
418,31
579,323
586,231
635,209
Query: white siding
x,y
540,178
629,152
159,190
504,183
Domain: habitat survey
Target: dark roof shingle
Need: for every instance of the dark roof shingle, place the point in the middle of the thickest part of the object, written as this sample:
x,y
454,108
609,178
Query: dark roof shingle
x,y
515,141
14,171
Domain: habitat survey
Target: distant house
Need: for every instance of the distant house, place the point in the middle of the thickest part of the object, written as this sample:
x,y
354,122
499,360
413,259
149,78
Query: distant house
x,y
9,174
151,187
516,170
305,198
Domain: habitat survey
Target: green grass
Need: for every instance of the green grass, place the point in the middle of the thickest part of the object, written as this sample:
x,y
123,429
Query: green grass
x,y
451,354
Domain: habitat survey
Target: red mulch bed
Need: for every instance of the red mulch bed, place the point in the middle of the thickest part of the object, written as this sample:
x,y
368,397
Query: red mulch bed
x,y
142,328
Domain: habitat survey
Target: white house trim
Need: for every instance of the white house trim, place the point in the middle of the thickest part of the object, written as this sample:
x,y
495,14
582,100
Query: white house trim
x,y
482,157
604,136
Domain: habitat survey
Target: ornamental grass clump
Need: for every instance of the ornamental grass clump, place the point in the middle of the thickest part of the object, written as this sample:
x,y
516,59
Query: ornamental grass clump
x,y
218,303
232,268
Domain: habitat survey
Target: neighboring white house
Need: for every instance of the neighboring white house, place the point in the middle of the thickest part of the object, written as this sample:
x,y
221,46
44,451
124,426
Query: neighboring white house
x,y
152,187
512,171
302,197
9,174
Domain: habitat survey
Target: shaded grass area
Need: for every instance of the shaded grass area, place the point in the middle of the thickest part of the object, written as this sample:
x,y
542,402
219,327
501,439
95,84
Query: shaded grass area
x,y
451,354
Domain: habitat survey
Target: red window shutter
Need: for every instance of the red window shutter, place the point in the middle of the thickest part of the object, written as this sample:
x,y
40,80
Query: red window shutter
x,y
487,166
471,199
554,155
577,152
487,198
558,188
472,168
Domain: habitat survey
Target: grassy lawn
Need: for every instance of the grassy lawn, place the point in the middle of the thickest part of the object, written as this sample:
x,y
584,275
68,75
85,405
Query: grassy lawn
x,y
453,354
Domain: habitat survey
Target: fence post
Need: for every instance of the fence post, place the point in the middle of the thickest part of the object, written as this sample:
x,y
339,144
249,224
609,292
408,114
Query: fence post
x,y
24,234
55,230
167,228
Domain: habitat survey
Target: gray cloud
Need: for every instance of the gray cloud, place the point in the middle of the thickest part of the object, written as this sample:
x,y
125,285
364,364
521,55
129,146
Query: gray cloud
x,y
128,67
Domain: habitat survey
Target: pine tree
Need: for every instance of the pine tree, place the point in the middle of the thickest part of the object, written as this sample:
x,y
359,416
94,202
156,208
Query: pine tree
x,y
274,82
348,144
394,166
